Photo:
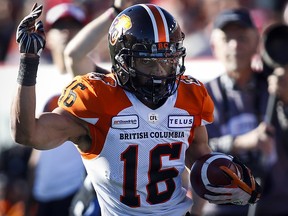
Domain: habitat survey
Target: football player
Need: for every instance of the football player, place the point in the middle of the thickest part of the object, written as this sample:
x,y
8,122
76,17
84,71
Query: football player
x,y
137,127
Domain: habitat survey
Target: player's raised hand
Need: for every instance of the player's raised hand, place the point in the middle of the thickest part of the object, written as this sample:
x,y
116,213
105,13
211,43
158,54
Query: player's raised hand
x,y
30,34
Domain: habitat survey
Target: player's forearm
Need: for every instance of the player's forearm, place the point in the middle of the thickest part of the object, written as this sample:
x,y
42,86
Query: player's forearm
x,y
40,133
198,204
23,107
86,40
23,115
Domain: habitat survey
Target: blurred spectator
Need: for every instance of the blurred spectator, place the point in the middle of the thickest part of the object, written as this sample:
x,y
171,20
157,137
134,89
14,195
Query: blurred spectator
x,y
48,4
63,21
80,55
10,10
240,98
275,191
14,188
275,7
193,20
213,7
196,18
93,8
85,202
285,14
59,172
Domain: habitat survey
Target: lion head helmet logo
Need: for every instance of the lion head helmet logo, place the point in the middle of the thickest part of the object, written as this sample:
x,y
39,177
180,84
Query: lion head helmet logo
x,y
119,26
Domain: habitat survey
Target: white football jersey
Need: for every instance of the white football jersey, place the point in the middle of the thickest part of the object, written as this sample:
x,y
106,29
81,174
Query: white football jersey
x,y
138,154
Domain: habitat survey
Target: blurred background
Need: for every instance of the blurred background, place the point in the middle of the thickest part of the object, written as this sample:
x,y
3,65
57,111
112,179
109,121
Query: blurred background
x,y
195,18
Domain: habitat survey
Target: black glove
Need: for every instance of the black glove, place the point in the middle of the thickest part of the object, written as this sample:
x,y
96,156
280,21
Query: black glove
x,y
240,192
30,34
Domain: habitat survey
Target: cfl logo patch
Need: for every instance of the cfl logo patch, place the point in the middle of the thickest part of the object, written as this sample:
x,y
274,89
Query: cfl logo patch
x,y
153,117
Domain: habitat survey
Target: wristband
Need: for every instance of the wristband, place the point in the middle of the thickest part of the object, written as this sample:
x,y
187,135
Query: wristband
x,y
28,71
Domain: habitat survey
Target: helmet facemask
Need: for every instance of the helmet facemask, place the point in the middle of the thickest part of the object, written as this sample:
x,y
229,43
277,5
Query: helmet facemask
x,y
150,87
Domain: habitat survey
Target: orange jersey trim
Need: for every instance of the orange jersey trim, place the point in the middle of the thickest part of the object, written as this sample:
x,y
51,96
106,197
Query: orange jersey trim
x,y
195,99
86,98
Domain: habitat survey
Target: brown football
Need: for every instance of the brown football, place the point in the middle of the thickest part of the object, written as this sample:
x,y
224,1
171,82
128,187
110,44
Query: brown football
x,y
206,171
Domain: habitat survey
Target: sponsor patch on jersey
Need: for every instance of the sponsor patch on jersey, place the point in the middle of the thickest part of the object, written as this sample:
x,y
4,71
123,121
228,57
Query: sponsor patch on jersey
x,y
180,121
125,122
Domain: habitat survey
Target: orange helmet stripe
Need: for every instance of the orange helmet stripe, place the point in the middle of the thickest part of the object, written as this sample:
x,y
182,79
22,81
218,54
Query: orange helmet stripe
x,y
159,23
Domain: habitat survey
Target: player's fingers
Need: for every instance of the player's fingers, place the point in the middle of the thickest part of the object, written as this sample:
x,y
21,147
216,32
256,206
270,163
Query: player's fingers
x,y
29,21
37,12
219,190
39,27
34,6
21,37
219,199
